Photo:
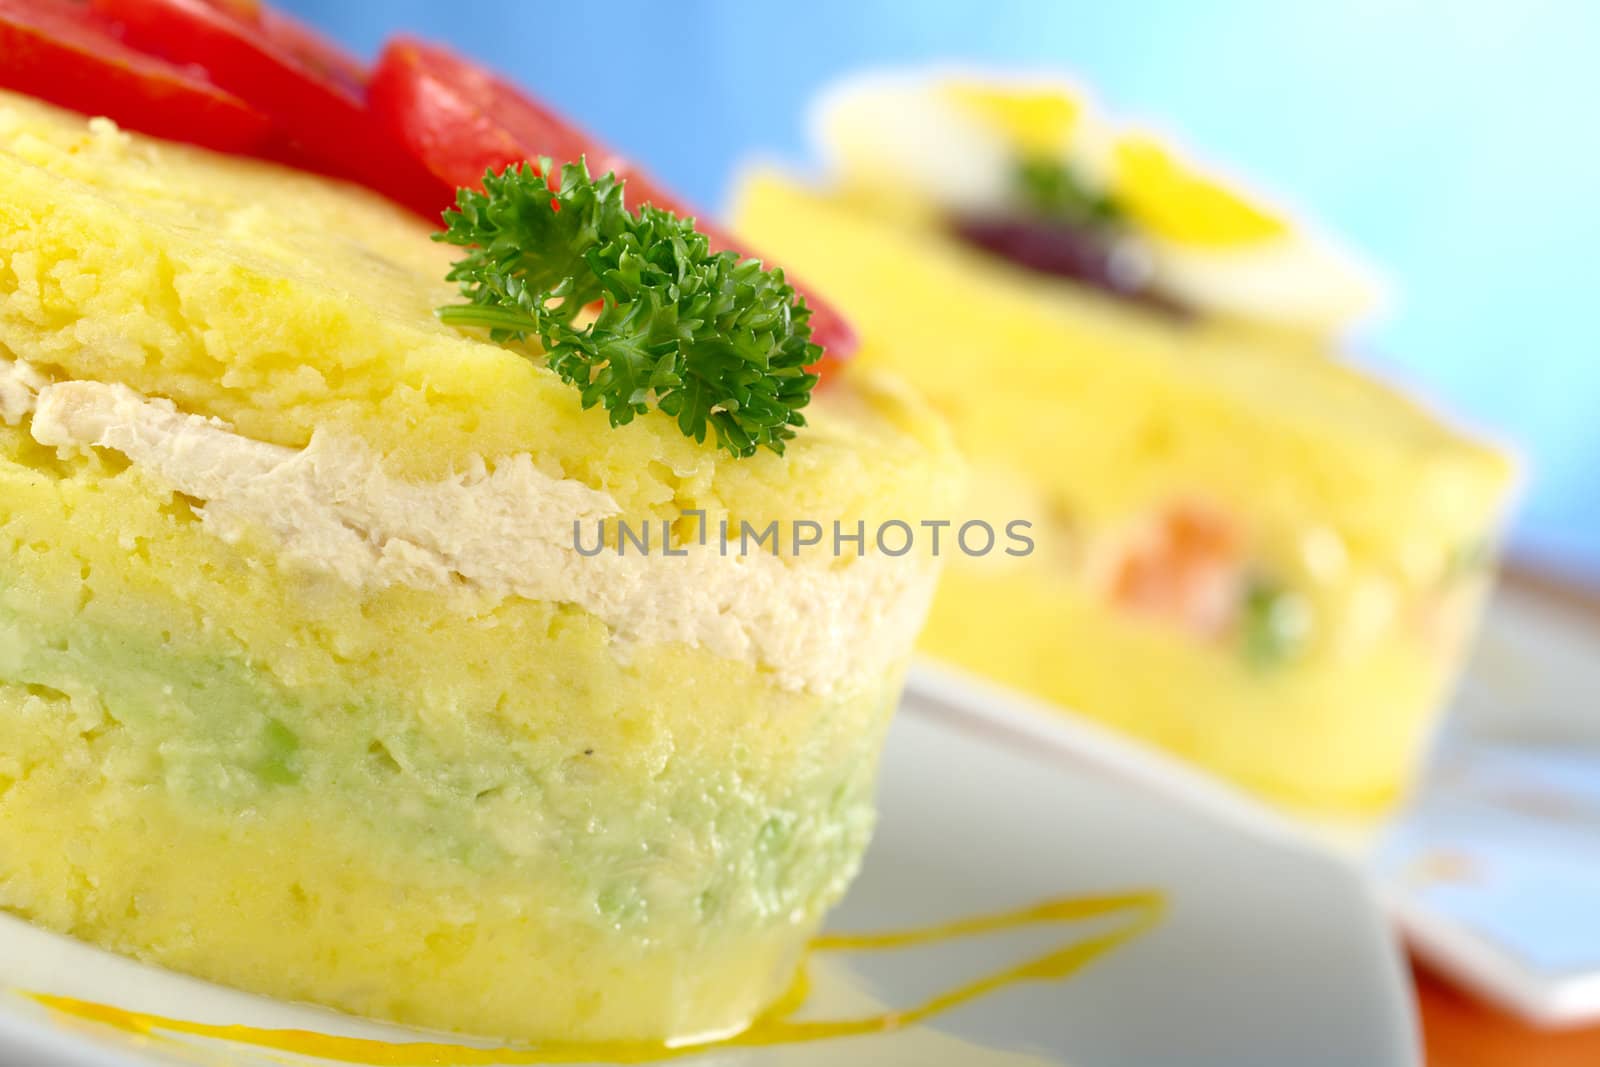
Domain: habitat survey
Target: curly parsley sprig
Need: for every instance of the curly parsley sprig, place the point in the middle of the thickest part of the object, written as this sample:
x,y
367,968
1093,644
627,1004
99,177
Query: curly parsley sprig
x,y
1051,189
708,338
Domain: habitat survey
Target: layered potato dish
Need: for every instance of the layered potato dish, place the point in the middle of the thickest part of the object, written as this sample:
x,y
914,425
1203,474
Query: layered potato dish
x,y
324,671
1248,552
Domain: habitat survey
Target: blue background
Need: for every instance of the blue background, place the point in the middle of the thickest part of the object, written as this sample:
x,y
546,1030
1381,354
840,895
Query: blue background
x,y
1455,143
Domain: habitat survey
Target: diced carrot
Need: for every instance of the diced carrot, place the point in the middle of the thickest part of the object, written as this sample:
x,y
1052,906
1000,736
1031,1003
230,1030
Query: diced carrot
x,y
1186,566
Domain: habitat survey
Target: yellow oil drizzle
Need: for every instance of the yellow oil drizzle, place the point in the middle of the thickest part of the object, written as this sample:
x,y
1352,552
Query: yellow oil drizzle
x,y
776,1027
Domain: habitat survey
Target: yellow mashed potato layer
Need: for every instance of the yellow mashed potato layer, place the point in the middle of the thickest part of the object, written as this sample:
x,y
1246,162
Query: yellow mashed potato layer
x,y
1174,470
464,814
283,303
437,803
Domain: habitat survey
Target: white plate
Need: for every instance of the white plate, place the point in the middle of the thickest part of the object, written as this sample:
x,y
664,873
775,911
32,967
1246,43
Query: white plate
x,y
1492,870
1270,951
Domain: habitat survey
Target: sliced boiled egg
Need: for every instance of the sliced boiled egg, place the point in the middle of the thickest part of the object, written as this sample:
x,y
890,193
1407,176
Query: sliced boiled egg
x,y
934,144
1214,246
952,141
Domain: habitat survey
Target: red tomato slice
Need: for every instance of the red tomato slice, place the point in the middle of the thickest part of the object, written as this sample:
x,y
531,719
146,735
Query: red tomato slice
x,y
58,53
459,120
312,49
310,89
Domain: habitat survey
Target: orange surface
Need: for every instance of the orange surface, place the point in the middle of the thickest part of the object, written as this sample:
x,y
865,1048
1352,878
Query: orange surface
x,y
1459,1031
